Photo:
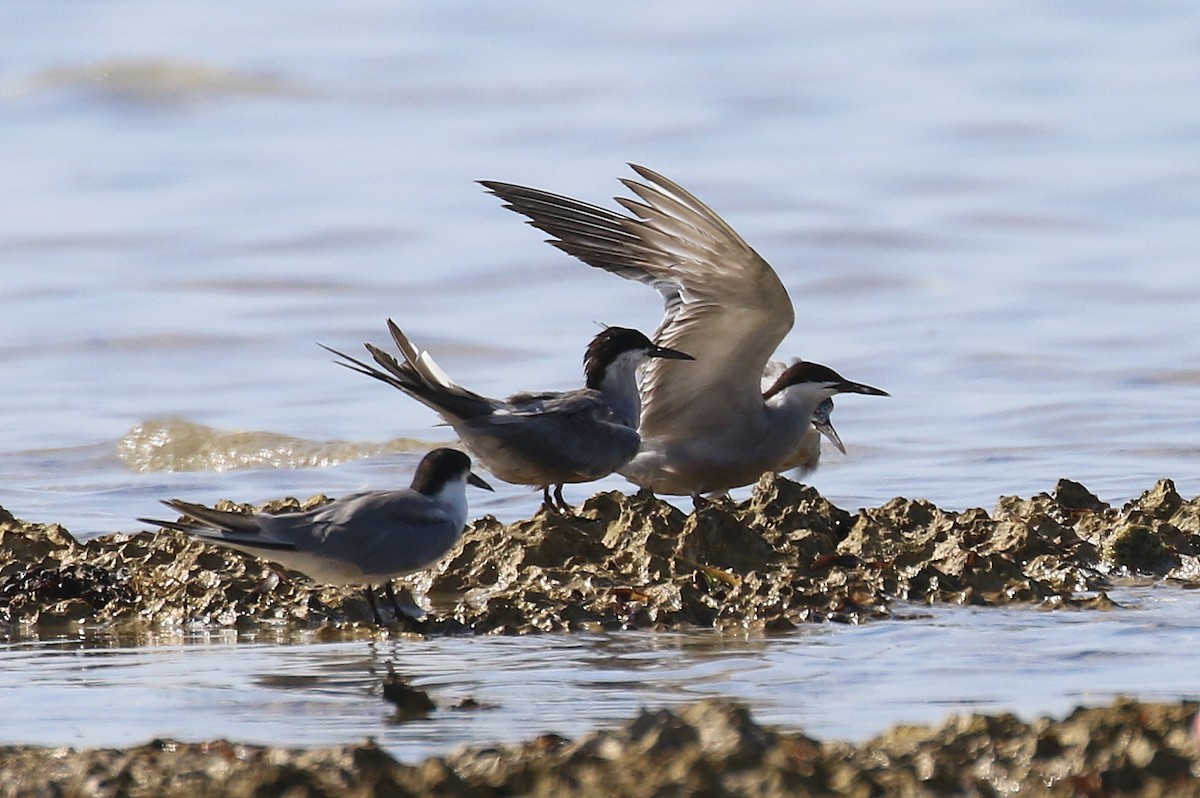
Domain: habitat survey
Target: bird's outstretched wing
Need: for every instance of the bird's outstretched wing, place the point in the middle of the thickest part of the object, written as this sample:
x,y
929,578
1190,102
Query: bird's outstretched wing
x,y
724,304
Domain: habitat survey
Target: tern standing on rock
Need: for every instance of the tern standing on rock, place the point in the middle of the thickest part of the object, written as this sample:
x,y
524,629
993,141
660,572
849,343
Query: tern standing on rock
x,y
711,426
364,538
539,439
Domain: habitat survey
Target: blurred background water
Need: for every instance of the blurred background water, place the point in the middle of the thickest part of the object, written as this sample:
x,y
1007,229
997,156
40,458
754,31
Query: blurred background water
x,y
987,209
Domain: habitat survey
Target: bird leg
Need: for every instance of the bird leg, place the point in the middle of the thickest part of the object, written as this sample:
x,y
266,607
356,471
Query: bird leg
x,y
547,502
370,594
409,609
561,502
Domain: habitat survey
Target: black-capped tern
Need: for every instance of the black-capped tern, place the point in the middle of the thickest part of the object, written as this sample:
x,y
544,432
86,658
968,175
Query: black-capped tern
x,y
807,455
712,426
540,439
365,538
815,381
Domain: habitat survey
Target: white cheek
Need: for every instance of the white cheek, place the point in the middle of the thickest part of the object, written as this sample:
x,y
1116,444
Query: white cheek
x,y
631,360
454,498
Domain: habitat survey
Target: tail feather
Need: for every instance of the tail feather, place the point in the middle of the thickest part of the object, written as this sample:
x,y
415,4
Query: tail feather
x,y
422,363
239,530
179,526
354,364
449,400
217,519
419,377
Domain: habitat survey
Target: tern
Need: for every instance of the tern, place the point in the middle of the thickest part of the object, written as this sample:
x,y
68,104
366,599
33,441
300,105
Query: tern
x,y
539,439
805,458
365,538
711,427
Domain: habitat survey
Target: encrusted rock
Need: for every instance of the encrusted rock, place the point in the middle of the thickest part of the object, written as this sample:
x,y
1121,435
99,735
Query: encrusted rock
x,y
709,748
48,579
785,556
1137,547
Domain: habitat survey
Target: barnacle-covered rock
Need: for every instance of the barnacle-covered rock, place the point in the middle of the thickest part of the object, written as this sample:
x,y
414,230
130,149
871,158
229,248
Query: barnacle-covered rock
x,y
783,557
712,747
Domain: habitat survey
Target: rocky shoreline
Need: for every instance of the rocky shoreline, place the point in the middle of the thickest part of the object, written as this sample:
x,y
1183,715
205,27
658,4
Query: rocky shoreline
x,y
708,748
784,557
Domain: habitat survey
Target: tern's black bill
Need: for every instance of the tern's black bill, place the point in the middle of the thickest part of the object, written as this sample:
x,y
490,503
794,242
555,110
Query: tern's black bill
x,y
669,354
477,481
858,387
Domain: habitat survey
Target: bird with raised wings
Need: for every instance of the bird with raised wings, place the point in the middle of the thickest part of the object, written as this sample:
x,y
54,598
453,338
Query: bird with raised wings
x,y
709,426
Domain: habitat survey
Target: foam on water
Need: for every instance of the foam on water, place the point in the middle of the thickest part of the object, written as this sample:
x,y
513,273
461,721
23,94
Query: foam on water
x,y
175,444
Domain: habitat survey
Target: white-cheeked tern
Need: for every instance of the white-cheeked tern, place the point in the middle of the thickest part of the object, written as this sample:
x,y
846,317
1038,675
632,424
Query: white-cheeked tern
x,y
364,538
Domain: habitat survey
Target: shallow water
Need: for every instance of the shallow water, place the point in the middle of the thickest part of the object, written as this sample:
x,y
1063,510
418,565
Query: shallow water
x,y
833,682
989,211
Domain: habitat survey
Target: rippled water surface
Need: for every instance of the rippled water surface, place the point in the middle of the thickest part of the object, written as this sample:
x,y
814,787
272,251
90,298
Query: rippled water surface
x,y
988,210
834,682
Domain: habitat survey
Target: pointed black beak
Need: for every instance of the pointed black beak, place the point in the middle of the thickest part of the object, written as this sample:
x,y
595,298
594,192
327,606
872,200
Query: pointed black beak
x,y
477,481
668,354
858,387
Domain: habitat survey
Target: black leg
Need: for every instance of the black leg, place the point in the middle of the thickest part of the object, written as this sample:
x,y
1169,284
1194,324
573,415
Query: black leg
x,y
370,593
391,594
560,501
547,502
411,612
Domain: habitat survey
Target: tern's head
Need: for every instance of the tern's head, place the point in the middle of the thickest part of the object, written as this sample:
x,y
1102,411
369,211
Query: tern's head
x,y
621,347
817,381
823,424
442,469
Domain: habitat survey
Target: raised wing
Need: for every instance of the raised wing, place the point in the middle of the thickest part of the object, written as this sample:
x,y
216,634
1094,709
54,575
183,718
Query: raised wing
x,y
724,304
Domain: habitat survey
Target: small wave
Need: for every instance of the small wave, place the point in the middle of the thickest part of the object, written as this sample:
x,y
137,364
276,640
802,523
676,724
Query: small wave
x,y
175,444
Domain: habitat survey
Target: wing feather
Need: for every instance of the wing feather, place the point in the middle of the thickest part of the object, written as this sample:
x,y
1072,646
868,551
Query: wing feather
x,y
723,303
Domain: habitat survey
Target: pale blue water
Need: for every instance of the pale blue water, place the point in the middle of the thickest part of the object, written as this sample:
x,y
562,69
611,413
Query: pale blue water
x,y
988,209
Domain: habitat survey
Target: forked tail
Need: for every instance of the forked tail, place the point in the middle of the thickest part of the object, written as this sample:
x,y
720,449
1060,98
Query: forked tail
x,y
419,377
